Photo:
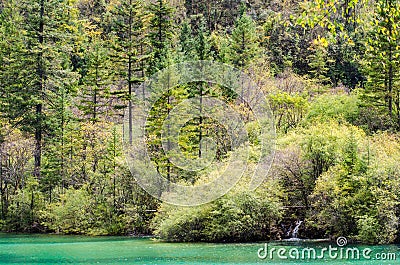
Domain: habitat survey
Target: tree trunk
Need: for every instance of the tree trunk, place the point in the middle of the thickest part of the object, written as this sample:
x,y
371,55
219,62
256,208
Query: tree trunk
x,y
39,106
390,73
201,118
390,81
130,75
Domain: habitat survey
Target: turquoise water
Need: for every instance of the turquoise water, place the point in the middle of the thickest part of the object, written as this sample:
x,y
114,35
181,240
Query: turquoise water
x,y
52,249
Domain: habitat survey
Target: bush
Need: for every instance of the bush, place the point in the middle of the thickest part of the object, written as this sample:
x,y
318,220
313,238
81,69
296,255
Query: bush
x,y
340,107
373,120
70,215
368,229
239,216
24,211
361,202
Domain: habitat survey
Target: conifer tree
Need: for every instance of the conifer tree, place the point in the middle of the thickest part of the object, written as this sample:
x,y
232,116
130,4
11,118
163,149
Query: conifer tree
x,y
39,65
95,89
244,45
186,42
130,48
160,34
383,58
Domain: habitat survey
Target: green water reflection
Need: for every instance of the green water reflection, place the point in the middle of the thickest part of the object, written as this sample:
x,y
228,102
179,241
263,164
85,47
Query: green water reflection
x,y
52,249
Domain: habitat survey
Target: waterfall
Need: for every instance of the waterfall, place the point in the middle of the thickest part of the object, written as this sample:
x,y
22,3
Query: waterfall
x,y
296,229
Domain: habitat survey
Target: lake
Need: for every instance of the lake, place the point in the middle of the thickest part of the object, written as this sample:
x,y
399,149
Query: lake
x,y
54,249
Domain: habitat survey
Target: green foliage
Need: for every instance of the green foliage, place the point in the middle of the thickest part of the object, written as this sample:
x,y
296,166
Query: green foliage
x,y
375,119
341,107
218,14
289,109
36,68
382,58
244,42
77,212
360,200
369,229
319,61
334,16
195,43
96,82
285,45
160,34
129,44
186,42
69,69
23,214
240,216
308,153
70,214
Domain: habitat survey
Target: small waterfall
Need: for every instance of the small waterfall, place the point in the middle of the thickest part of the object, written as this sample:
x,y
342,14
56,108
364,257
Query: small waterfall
x,y
288,231
296,229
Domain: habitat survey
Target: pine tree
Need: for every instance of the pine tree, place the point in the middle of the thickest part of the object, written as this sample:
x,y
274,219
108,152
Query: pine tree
x,y
195,44
244,46
160,34
158,115
186,42
55,152
130,48
383,58
38,65
203,52
37,68
319,61
96,83
202,41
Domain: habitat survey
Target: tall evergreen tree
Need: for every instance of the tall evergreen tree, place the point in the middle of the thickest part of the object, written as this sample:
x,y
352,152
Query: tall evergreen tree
x,y
159,113
186,42
245,44
383,58
96,83
130,48
160,34
40,65
195,44
203,52
37,72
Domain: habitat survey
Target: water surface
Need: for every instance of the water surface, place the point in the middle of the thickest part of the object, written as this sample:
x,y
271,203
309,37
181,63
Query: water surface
x,y
54,249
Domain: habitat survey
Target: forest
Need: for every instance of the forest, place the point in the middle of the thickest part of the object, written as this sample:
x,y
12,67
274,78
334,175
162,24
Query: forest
x,y
330,70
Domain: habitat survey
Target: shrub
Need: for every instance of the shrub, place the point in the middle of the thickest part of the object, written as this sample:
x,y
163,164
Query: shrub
x,y
237,216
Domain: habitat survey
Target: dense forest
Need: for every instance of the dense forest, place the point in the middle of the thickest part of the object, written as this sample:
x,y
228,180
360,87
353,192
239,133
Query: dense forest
x,y
330,70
